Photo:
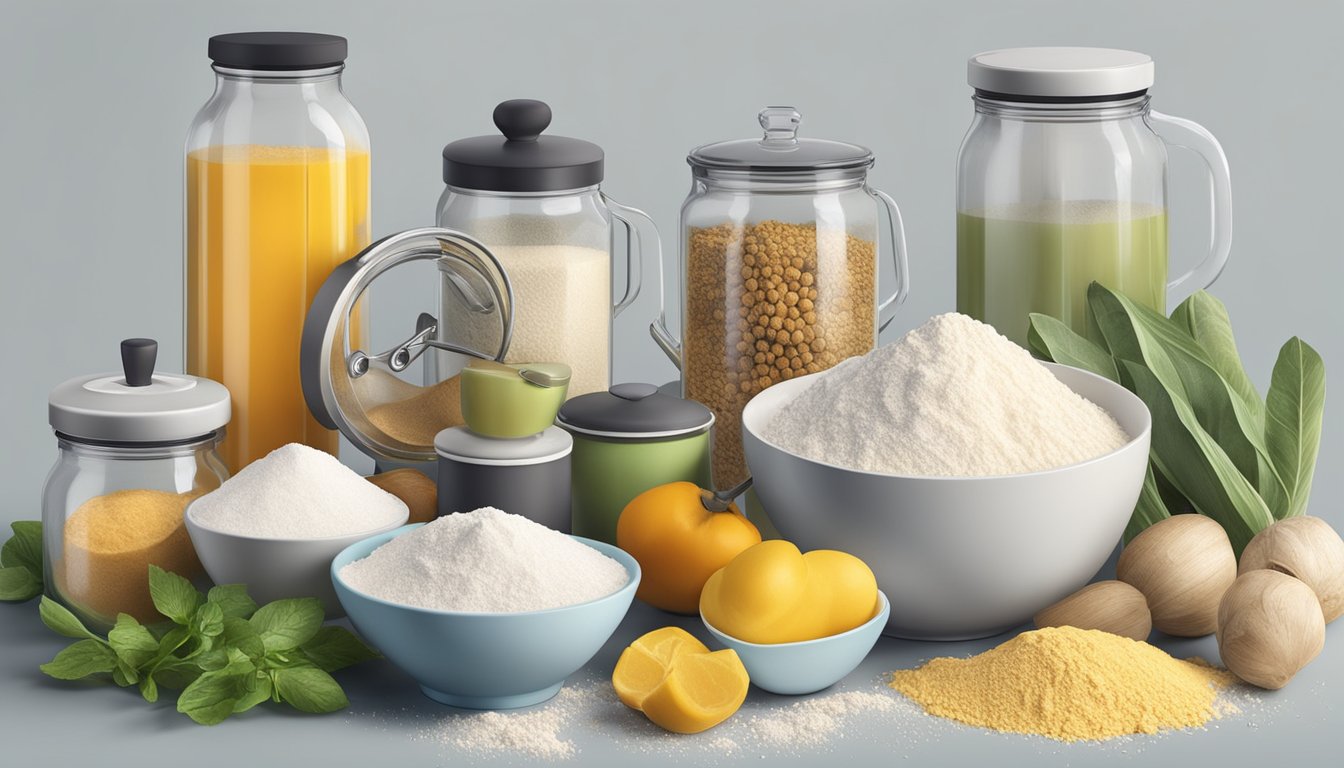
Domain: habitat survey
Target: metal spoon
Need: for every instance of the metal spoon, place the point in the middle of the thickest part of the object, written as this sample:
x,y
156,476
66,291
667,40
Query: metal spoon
x,y
718,501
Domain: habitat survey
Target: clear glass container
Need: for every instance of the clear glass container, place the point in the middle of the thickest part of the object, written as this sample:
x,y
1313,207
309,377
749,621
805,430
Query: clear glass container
x,y
277,195
779,267
110,510
1063,181
535,202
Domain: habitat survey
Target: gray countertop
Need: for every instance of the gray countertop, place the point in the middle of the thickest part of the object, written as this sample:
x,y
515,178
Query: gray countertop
x,y
54,723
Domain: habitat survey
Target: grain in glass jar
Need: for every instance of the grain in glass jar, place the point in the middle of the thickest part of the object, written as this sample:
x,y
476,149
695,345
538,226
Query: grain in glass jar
x,y
779,258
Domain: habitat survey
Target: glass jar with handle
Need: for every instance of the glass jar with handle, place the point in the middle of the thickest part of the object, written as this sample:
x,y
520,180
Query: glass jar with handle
x,y
536,203
779,267
1062,181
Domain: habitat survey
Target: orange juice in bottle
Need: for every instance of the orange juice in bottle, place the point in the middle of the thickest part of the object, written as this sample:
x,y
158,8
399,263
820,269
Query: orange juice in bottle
x,y
277,195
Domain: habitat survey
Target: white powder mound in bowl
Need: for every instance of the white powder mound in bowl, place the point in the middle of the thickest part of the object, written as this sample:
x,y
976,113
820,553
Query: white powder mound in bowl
x,y
486,561
297,492
952,398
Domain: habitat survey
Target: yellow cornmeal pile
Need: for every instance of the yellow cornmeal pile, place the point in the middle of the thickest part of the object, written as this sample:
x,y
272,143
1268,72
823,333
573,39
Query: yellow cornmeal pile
x,y
764,303
1068,684
110,542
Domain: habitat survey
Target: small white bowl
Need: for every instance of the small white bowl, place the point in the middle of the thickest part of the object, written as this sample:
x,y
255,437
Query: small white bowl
x,y
273,569
959,557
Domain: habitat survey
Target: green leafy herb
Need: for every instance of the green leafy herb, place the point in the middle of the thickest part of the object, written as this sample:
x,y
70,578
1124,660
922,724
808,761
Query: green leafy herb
x,y
220,650
1217,447
21,562
286,624
1294,410
173,595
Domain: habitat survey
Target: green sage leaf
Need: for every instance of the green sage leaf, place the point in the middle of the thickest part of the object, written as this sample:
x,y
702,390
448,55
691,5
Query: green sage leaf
x,y
209,620
18,584
1205,318
60,620
309,689
132,641
24,548
1050,339
1186,372
149,689
335,648
287,624
1194,462
173,595
1294,409
233,600
80,660
210,699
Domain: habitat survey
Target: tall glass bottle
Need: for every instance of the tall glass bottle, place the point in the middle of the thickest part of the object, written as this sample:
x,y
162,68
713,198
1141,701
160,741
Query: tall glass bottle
x,y
277,194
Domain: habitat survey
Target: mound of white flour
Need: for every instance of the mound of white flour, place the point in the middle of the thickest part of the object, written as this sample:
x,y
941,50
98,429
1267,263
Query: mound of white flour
x,y
950,398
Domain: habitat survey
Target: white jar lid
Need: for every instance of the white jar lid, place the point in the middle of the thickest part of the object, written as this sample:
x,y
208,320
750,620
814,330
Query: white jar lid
x,y
138,405
1061,73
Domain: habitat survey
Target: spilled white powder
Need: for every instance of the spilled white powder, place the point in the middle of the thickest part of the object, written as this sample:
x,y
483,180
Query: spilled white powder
x,y
485,561
950,398
534,733
297,492
812,722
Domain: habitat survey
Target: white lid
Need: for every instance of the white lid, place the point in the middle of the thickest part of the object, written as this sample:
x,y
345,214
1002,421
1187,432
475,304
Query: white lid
x,y
462,445
1061,72
138,405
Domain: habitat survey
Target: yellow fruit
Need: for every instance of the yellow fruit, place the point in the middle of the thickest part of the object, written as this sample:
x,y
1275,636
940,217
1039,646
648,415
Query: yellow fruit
x,y
772,593
678,543
701,691
644,665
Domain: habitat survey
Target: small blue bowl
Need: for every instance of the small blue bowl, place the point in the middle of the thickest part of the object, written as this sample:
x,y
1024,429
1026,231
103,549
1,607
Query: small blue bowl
x,y
485,660
810,665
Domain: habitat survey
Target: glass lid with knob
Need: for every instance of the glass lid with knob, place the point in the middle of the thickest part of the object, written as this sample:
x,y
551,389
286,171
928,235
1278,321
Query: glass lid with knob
x,y
362,392
780,149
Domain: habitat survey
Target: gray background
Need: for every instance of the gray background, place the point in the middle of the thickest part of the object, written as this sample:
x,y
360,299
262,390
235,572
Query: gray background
x,y
96,99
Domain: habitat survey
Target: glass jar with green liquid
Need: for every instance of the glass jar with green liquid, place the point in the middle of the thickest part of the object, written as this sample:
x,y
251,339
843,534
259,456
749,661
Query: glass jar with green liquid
x,y
1062,181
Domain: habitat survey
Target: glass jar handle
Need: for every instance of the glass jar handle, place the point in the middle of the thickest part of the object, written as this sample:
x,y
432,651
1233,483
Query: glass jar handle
x,y
641,235
899,260
1187,134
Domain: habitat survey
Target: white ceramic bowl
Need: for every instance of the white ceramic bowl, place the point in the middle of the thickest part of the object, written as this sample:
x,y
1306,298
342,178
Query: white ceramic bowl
x,y
274,569
959,557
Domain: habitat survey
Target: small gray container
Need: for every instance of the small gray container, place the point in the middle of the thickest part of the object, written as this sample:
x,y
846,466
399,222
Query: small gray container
x,y
528,476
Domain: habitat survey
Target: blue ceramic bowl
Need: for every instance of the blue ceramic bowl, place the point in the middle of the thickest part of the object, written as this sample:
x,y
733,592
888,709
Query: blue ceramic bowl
x,y
810,665
485,660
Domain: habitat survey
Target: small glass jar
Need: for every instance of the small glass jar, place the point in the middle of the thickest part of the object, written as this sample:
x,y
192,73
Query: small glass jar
x,y
133,450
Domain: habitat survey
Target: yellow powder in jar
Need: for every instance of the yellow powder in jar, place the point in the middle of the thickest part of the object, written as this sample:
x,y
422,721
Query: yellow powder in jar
x,y
110,542
1068,684
415,420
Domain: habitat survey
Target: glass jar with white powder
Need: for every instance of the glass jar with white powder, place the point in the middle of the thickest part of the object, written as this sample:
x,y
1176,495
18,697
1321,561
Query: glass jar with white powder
x,y
535,201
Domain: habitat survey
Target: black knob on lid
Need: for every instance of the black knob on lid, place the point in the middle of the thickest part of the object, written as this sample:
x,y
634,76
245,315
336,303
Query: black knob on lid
x,y
522,119
137,361
634,391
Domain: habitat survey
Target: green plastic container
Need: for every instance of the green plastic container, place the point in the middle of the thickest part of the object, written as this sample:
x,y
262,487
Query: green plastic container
x,y
626,441
511,401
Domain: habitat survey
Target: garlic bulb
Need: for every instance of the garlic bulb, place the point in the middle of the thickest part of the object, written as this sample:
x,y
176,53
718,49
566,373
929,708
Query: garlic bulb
x,y
1307,549
1182,565
1270,626
1110,606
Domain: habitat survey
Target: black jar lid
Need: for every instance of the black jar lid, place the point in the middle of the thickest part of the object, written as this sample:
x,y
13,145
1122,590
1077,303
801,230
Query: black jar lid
x,y
522,160
278,51
634,412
